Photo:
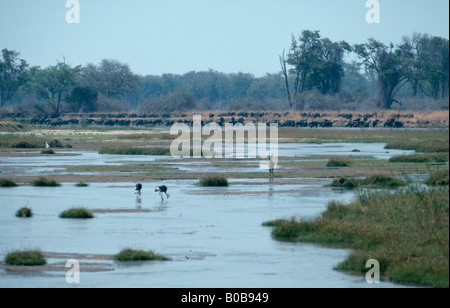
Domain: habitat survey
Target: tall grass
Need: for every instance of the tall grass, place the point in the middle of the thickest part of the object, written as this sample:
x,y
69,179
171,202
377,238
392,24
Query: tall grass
x,y
439,177
79,213
338,162
45,182
406,231
24,212
26,258
7,183
373,181
135,151
216,180
138,255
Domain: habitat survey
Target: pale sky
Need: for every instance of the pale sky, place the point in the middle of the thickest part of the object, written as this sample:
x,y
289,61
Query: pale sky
x,y
178,36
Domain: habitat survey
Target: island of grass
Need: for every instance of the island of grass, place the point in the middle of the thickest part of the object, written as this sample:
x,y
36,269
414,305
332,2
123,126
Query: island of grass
x,y
138,255
45,182
216,180
78,213
407,232
26,258
136,151
24,212
7,183
373,181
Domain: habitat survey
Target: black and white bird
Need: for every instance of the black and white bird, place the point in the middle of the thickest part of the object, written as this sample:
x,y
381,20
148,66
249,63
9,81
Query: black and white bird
x,y
138,188
162,190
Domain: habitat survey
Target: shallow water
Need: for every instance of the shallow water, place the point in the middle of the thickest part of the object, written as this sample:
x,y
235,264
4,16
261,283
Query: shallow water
x,y
47,165
213,235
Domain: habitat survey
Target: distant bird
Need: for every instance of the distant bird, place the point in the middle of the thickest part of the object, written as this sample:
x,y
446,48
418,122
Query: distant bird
x,y
162,190
138,188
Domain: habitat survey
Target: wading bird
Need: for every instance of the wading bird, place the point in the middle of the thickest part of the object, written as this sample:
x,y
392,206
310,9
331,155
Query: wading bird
x,y
162,190
138,188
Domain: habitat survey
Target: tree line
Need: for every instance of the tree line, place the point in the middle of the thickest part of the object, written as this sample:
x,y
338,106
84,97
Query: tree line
x,y
314,70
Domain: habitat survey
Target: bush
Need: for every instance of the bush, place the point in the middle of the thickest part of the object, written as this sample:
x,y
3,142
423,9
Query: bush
x,y
7,183
79,213
24,212
45,182
138,255
27,258
220,181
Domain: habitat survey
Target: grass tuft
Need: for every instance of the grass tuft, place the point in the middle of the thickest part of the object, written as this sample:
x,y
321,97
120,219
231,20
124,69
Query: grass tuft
x,y
24,212
26,258
375,181
81,184
80,213
216,180
7,183
45,182
339,162
136,151
138,255
48,152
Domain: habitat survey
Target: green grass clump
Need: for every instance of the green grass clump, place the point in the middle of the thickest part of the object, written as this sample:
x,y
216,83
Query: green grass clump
x,y
80,213
428,145
138,255
24,212
7,183
45,182
81,184
339,162
48,152
439,177
26,258
420,158
136,151
216,180
382,180
406,231
375,181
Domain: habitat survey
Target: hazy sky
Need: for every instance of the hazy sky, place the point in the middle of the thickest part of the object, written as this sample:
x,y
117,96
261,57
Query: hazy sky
x,y
178,36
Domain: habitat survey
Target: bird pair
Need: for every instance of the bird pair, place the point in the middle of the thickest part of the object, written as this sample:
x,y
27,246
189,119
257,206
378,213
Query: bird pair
x,y
161,189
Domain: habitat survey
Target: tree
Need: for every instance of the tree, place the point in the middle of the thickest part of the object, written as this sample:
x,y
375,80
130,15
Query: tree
x,y
83,99
284,71
316,63
54,82
13,74
111,78
426,61
386,65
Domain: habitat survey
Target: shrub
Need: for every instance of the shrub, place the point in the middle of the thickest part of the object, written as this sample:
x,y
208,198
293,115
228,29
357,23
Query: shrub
x,y
7,183
24,212
138,255
27,258
220,181
80,213
45,182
